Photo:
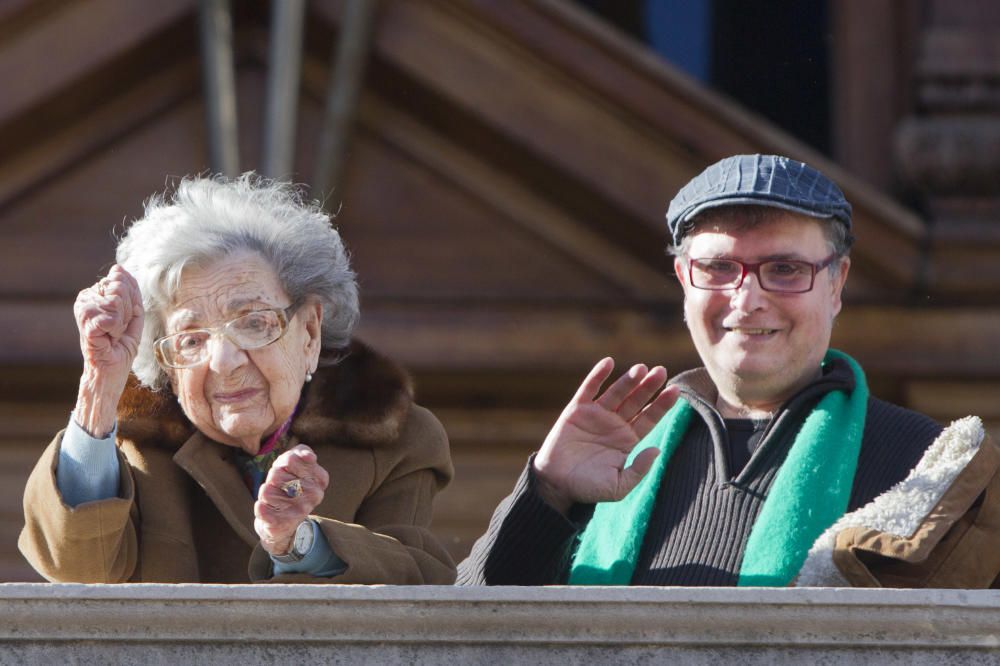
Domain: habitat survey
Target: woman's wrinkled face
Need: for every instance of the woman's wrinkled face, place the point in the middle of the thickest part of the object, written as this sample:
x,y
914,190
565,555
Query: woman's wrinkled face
x,y
237,397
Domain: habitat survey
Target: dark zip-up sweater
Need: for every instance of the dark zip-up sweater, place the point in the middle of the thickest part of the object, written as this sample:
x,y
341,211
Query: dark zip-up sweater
x,y
705,509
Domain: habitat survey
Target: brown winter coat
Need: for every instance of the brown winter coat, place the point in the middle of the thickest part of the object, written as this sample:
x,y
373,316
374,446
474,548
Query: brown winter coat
x,y
939,527
184,514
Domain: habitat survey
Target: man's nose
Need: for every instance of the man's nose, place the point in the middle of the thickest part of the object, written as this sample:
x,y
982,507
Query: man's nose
x,y
748,296
223,355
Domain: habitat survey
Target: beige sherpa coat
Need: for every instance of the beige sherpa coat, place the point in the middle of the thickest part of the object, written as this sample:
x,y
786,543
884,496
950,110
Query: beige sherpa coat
x,y
939,527
184,514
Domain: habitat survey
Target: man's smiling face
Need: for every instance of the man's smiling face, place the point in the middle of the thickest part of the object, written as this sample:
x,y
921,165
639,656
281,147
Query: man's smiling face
x,y
760,347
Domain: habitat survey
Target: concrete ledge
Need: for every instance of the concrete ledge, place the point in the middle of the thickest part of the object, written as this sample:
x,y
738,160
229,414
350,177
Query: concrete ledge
x,y
250,624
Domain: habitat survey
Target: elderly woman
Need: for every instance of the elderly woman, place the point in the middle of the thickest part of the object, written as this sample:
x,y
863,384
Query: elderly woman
x,y
254,441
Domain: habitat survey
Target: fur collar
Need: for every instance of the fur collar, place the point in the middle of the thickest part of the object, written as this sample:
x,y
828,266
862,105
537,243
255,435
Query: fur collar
x,y
361,400
900,510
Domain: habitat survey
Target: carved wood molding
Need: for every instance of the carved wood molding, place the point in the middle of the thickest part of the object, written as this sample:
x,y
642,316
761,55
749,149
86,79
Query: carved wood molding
x,y
898,341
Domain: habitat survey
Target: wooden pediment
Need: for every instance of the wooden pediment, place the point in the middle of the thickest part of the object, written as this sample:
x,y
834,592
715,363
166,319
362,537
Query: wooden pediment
x,y
510,165
506,154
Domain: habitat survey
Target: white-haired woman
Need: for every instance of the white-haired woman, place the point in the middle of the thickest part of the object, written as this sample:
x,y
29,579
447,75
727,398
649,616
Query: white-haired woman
x,y
254,441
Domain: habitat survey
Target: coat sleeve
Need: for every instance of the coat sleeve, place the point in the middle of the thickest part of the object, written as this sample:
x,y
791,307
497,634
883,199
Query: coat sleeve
x,y
390,541
955,545
94,542
527,543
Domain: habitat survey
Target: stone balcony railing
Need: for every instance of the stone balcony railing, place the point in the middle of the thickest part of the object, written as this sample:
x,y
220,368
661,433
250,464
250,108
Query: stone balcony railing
x,y
182,624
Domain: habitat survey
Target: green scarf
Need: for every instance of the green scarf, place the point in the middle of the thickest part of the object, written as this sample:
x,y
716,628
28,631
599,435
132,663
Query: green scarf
x,y
809,493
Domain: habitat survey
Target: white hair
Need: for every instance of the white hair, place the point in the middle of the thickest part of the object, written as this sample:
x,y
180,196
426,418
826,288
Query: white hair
x,y
206,219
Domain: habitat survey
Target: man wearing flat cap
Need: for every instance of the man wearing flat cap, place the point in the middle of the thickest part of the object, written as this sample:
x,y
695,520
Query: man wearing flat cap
x,y
772,464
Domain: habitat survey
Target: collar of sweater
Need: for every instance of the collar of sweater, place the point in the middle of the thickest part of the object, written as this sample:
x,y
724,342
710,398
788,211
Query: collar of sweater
x,y
696,385
362,400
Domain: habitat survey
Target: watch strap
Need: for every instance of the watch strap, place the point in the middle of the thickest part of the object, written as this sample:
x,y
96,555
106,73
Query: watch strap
x,y
296,553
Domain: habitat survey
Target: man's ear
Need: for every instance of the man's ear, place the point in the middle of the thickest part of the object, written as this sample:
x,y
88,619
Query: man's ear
x,y
680,269
838,284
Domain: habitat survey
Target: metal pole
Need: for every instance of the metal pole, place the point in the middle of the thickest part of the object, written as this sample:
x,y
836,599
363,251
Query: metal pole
x,y
219,78
283,75
346,76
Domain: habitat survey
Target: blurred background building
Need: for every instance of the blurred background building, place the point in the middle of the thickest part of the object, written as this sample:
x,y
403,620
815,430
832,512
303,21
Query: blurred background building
x,y
500,170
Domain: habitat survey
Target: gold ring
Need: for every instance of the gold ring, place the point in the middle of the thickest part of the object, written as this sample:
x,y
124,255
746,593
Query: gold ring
x,y
292,488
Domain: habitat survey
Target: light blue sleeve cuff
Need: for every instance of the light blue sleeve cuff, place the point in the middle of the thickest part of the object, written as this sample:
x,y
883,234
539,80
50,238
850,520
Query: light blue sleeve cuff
x,y
88,468
320,561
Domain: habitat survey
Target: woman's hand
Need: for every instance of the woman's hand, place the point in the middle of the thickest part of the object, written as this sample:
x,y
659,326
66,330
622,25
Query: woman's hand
x,y
109,317
583,457
282,503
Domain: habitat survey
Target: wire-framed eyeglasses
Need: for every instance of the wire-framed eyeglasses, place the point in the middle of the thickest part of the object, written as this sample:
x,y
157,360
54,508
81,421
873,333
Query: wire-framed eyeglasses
x,y
787,276
250,331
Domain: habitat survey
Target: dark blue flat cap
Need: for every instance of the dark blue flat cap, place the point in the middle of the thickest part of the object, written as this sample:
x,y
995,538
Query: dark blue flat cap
x,y
760,180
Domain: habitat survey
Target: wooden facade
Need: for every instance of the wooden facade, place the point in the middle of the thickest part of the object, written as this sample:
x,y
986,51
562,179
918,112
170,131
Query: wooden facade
x,y
503,199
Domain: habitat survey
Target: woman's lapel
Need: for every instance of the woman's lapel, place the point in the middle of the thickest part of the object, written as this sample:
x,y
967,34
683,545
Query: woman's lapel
x,y
211,465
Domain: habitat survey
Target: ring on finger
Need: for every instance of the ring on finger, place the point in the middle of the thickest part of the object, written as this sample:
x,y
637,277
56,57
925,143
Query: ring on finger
x,y
292,488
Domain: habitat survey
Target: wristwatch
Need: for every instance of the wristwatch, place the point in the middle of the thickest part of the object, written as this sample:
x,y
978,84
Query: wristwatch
x,y
301,544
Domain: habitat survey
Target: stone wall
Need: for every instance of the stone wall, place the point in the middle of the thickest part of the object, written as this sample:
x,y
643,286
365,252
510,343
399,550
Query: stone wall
x,y
169,624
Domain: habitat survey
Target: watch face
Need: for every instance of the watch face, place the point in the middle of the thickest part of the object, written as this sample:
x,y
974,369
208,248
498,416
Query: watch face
x,y
303,538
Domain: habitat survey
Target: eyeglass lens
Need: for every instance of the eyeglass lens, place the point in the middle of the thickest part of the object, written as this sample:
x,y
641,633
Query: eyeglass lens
x,y
250,331
789,276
